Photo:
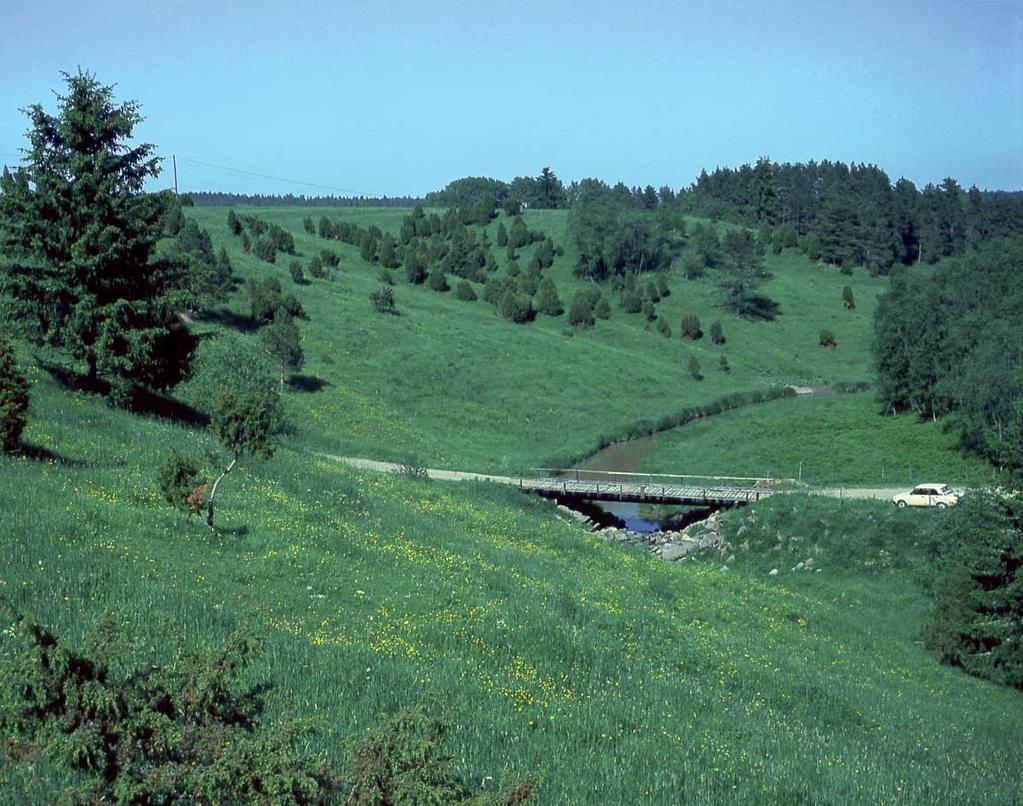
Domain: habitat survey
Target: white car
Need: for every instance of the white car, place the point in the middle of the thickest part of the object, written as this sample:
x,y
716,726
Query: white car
x,y
927,495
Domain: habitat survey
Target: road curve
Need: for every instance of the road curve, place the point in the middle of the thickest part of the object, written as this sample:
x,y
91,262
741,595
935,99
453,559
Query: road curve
x,y
857,493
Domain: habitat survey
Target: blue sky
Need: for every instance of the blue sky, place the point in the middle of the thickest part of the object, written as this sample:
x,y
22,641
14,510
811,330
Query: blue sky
x,y
394,98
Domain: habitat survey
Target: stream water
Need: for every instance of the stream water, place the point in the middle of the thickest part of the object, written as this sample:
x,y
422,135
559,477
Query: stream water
x,y
624,457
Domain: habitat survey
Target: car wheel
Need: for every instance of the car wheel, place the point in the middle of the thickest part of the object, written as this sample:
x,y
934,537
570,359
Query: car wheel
x,y
901,504
942,506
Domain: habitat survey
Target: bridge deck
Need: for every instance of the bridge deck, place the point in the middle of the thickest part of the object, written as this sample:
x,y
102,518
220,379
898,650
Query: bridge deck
x,y
642,492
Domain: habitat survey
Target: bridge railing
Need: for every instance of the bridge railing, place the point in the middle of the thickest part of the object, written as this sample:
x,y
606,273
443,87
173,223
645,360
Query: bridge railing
x,y
580,474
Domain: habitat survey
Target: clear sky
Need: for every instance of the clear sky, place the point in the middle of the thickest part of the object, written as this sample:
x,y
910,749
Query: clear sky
x,y
395,98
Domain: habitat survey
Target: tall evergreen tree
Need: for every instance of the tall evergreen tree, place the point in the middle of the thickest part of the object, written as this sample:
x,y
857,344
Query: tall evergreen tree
x,y
82,233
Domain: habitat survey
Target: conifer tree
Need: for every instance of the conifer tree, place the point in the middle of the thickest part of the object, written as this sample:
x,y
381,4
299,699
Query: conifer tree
x,y
502,234
847,298
81,234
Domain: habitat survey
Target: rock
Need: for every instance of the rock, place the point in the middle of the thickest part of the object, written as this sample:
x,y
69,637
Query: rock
x,y
808,564
773,572
723,568
731,558
709,540
799,567
676,551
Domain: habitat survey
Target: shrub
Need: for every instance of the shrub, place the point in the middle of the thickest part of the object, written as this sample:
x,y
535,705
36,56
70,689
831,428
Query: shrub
x,y
649,312
465,292
438,280
265,249
316,268
691,327
602,309
246,243
266,297
631,301
403,761
580,312
652,293
180,480
13,398
187,732
415,269
847,298
693,267
717,333
233,224
663,327
694,368
383,300
547,300
662,286
330,258
827,338
723,364
515,307
309,226
297,276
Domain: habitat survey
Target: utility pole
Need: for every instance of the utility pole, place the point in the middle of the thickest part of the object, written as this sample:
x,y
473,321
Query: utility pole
x,y
174,160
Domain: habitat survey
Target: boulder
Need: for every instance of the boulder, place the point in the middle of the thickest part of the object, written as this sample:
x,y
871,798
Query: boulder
x,y
676,551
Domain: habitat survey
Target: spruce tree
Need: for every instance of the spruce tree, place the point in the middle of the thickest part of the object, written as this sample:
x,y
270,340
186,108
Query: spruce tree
x,y
81,234
233,224
847,298
717,333
13,398
694,368
502,234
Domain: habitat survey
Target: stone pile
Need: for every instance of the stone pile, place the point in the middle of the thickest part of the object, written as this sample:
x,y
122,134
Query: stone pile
x,y
673,545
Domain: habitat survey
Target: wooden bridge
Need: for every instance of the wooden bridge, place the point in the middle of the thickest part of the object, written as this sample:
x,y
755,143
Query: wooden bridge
x,y
644,488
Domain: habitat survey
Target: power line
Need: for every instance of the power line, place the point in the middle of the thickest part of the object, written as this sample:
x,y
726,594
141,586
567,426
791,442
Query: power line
x,y
243,172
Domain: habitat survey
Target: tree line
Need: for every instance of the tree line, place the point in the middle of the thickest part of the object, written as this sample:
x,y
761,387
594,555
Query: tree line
x,y
212,198
852,214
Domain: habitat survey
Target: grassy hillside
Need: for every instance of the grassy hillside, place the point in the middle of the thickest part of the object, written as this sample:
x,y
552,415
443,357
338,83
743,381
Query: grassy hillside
x,y
608,676
455,384
602,674
839,439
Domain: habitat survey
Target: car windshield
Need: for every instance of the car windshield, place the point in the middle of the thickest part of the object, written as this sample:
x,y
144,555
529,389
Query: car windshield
x,y
919,491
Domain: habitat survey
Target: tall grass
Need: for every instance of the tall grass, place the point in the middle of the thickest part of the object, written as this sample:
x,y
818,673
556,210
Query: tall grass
x,y
610,676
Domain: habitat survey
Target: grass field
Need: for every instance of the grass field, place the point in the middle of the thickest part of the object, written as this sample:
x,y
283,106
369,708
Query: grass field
x,y
455,384
607,676
838,439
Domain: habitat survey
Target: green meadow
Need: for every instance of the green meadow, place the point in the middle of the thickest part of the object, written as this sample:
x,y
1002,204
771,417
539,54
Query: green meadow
x,y
830,440
599,672
461,388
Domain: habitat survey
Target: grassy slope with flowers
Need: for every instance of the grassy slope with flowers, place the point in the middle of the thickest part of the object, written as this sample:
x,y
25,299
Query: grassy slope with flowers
x,y
608,676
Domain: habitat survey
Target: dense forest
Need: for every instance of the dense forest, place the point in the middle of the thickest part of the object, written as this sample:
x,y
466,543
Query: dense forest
x,y
853,214
948,341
